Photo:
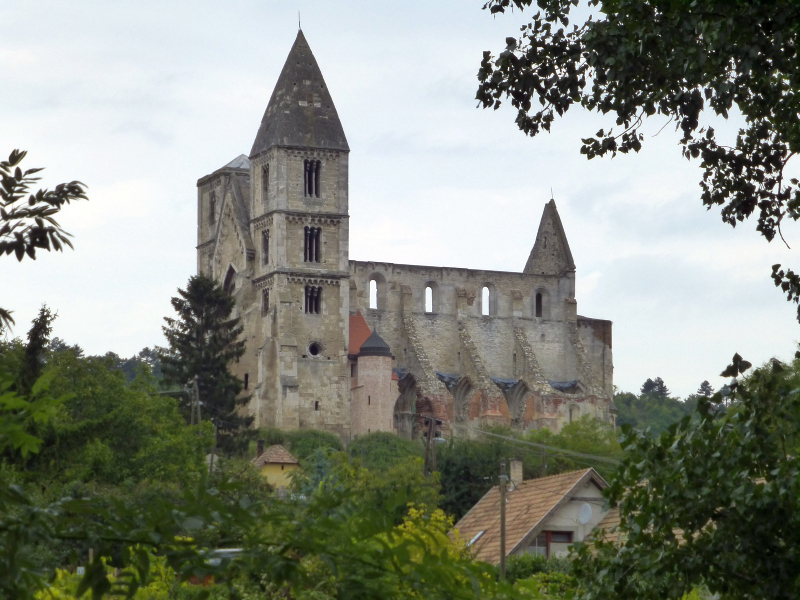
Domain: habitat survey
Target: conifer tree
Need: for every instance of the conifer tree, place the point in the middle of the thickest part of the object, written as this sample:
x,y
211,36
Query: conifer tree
x,y
203,340
35,349
705,389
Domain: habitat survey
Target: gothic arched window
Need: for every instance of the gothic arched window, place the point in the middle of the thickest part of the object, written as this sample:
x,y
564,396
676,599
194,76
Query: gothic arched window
x,y
229,284
265,246
264,183
212,207
311,178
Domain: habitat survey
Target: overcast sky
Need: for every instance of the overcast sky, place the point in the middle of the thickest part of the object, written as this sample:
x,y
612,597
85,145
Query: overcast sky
x,y
140,99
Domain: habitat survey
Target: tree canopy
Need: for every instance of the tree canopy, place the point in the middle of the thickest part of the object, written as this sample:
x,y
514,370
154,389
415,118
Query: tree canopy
x,y
688,62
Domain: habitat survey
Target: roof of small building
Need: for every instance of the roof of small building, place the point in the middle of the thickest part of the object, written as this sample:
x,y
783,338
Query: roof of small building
x,y
359,333
375,345
240,162
300,112
609,522
527,508
275,455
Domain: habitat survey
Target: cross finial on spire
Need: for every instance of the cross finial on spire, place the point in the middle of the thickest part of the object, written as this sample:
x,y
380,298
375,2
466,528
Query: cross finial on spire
x,y
551,193
298,20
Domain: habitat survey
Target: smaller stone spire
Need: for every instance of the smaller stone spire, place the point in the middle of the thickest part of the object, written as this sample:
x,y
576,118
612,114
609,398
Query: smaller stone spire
x,y
551,254
375,345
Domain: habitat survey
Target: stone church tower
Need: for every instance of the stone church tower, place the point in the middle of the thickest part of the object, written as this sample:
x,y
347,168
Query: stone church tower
x,y
280,244
355,347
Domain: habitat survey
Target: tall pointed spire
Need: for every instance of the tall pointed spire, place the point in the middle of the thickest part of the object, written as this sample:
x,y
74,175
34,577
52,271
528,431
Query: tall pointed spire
x,y
551,254
300,112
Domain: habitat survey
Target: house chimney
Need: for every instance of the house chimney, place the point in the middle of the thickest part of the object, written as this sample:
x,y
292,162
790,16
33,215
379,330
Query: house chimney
x,y
515,473
259,448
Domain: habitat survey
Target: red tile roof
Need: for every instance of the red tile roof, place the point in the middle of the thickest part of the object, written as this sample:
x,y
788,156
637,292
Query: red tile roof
x,y
275,455
527,507
359,332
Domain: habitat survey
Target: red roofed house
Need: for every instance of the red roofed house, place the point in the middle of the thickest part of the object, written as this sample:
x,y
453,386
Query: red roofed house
x,y
543,516
276,463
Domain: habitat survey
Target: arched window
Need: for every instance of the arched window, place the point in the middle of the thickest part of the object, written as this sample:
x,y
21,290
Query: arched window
x,y
574,412
431,297
264,246
313,300
485,300
264,301
265,183
311,245
428,299
229,284
541,304
311,178
373,294
377,291
212,207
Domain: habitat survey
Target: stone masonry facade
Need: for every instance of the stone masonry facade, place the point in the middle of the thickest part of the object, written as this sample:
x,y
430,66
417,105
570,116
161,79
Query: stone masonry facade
x,y
471,347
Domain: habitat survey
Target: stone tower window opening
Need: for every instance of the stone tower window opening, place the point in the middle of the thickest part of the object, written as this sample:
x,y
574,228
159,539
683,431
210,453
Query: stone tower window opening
x,y
311,244
313,300
315,348
574,412
316,404
541,304
264,183
264,301
265,246
431,297
246,380
373,294
485,301
229,284
311,178
212,207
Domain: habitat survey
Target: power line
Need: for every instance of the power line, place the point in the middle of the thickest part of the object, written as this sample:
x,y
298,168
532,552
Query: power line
x,y
540,446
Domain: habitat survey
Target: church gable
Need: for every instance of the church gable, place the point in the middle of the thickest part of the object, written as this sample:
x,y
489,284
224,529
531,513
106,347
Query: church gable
x,y
551,254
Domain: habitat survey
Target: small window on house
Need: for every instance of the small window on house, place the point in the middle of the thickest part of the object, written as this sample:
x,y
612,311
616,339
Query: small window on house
x,y
311,178
539,545
316,404
560,537
246,380
429,299
311,244
373,294
265,246
265,183
313,300
485,300
264,301
538,304
282,467
212,207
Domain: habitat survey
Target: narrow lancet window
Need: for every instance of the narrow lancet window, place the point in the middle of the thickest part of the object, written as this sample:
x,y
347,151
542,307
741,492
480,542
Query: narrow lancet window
x,y
373,294
311,244
265,246
264,301
212,207
485,299
229,284
429,299
538,304
313,300
265,183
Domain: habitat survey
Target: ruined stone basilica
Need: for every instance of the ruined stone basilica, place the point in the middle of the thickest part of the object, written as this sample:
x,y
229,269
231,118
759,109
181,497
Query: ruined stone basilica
x,y
358,346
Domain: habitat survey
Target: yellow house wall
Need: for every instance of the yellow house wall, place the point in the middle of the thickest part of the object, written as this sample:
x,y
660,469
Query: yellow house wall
x,y
277,476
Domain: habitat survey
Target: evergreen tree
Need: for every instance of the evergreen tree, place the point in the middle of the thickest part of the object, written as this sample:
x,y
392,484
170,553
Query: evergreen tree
x,y
203,340
648,387
661,388
705,389
34,356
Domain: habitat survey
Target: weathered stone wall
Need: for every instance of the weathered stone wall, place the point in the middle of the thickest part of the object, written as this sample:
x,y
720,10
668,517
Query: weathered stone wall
x,y
373,396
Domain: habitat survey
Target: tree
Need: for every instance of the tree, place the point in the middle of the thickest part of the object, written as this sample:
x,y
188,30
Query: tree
x,y
705,389
28,223
655,386
648,387
203,341
677,59
713,501
36,348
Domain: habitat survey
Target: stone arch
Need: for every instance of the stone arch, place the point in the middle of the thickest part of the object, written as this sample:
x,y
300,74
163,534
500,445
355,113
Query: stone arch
x,y
405,408
488,300
541,303
462,393
376,299
573,412
516,398
431,299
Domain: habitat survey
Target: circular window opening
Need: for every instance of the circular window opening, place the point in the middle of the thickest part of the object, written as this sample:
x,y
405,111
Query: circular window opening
x,y
315,349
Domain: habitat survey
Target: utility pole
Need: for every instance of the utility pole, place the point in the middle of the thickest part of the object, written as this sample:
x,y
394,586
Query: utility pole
x,y
429,445
544,461
214,451
503,483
